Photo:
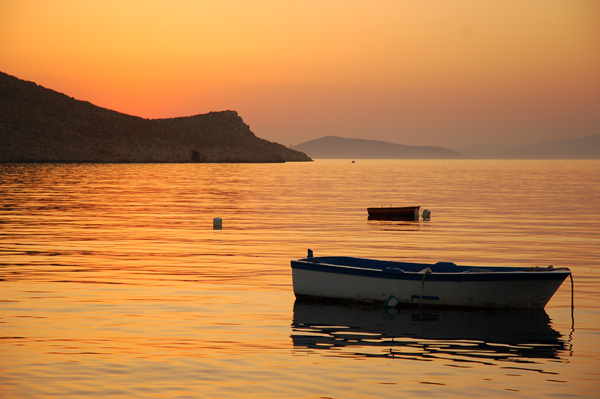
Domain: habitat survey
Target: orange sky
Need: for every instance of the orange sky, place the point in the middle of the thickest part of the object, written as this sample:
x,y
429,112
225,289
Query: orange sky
x,y
447,73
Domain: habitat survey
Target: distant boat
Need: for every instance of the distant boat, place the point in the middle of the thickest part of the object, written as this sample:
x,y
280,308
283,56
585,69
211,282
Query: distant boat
x,y
443,284
394,213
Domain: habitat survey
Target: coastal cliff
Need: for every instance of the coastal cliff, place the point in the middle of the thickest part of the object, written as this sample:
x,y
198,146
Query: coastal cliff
x,y
42,125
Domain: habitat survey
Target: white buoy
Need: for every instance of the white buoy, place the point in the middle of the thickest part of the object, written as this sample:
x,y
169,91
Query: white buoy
x,y
426,214
217,224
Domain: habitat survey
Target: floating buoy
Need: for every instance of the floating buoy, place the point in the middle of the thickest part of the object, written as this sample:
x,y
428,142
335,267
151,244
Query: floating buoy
x,y
217,224
426,214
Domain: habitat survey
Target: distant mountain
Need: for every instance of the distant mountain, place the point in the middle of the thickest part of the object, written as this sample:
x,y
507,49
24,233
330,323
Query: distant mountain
x,y
344,148
584,148
332,147
42,125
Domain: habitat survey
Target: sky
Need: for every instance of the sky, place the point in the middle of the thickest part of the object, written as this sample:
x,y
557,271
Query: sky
x,y
448,73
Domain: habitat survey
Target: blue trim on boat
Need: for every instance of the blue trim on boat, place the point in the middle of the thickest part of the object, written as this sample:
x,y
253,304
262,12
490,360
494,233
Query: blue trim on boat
x,y
425,298
442,271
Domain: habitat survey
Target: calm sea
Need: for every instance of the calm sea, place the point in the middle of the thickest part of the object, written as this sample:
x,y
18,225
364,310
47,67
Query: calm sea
x,y
113,283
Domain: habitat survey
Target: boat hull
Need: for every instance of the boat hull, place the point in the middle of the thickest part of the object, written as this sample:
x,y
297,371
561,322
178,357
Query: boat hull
x,y
394,213
517,288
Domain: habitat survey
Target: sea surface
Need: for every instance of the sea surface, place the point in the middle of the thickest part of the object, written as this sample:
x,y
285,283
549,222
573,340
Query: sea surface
x,y
114,284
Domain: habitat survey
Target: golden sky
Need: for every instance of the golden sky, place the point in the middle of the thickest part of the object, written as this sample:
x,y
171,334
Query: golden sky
x,y
447,73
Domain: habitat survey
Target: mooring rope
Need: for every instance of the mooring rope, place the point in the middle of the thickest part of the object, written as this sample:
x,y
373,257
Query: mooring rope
x,y
572,303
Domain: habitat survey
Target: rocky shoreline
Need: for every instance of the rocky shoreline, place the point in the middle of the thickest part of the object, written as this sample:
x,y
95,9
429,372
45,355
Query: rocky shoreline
x,y
42,125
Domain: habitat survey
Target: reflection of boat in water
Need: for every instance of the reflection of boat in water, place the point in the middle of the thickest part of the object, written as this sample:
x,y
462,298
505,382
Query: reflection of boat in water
x,y
482,336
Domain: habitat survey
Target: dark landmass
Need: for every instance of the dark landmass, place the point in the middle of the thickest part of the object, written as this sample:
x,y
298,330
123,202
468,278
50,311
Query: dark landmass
x,y
584,148
42,125
332,147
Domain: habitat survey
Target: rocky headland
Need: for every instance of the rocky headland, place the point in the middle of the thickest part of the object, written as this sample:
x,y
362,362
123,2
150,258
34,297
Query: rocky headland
x,y
42,125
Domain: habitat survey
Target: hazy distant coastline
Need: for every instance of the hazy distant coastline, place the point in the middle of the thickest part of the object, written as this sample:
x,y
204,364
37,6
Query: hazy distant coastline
x,y
582,148
42,125
332,147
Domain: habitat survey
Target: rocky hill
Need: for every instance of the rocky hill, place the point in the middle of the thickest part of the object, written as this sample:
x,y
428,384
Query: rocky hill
x,y
333,147
41,125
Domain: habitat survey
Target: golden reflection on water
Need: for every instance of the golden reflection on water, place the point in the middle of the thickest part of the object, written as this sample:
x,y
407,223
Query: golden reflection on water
x,y
114,283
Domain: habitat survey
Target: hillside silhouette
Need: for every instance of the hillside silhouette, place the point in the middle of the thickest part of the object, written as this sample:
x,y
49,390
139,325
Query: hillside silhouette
x,y
333,147
42,125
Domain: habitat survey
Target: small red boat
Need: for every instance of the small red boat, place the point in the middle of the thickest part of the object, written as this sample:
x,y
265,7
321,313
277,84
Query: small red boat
x,y
394,213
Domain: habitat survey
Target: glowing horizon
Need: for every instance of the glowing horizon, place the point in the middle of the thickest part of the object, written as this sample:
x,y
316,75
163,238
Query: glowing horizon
x,y
413,73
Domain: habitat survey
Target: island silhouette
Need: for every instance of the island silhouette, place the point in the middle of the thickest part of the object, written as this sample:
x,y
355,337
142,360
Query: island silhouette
x,y
41,125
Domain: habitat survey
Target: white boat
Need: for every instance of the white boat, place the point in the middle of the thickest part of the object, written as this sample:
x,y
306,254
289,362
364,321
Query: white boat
x,y
443,284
